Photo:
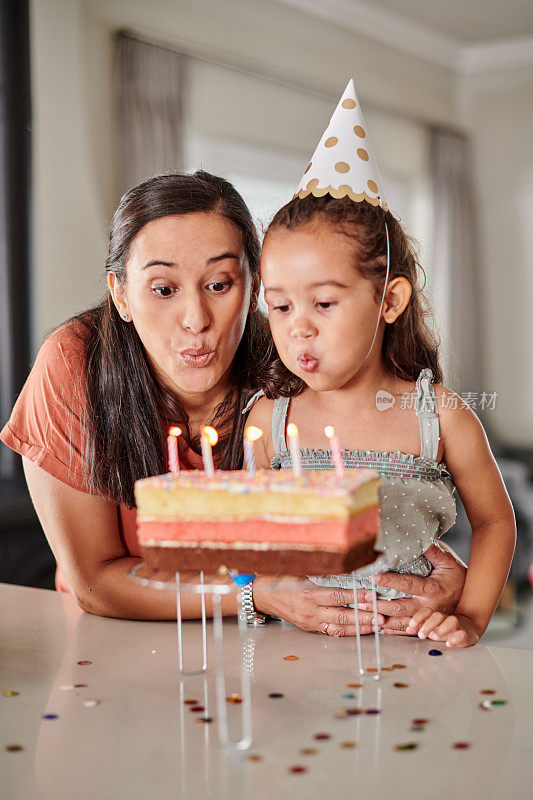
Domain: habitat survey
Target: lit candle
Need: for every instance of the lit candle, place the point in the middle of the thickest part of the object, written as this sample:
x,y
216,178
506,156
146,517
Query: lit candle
x,y
336,455
294,447
208,439
172,447
251,435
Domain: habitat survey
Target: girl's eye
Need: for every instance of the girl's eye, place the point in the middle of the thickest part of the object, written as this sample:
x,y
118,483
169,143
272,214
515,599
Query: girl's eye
x,y
219,287
282,309
326,304
163,291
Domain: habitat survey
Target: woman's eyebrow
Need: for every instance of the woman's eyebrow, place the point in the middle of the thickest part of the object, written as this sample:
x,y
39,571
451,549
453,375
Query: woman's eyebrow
x,y
158,262
222,257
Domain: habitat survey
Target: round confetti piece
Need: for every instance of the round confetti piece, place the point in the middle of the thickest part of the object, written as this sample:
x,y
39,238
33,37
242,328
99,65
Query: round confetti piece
x,y
487,691
80,685
372,669
297,769
308,751
205,720
486,705
401,685
197,709
84,663
154,652
321,737
373,711
349,695
14,748
275,695
399,666
461,745
90,703
234,698
10,693
387,669
254,757
420,721
499,702
291,658
354,712
435,653
348,745
406,746
49,716
191,702
341,713
354,685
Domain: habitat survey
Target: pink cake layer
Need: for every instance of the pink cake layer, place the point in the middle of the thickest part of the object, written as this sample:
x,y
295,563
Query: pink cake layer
x,y
323,532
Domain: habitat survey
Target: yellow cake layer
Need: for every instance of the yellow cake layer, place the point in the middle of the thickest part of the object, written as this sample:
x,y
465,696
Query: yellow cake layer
x,y
233,495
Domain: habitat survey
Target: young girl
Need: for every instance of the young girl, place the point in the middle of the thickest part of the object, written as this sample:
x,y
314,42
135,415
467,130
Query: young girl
x,y
357,355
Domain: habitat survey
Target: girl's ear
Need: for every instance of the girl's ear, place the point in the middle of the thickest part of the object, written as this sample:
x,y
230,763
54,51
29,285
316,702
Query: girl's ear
x,y
118,293
397,298
254,295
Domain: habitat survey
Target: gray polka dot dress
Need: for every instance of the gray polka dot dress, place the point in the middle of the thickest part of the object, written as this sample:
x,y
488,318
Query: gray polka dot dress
x,y
416,492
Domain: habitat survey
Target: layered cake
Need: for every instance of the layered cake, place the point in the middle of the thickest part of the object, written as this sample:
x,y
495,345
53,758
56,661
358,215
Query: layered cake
x,y
274,523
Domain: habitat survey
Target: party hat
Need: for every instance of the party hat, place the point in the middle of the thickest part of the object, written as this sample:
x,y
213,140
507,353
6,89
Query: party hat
x,y
344,164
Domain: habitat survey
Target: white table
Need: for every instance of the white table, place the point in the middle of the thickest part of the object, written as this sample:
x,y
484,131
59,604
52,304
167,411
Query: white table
x,y
142,742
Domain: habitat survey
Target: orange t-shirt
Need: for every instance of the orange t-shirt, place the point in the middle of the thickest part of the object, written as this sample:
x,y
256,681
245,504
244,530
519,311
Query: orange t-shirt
x,y
46,424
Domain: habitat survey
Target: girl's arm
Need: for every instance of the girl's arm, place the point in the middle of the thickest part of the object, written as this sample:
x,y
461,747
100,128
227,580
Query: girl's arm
x,y
83,532
480,486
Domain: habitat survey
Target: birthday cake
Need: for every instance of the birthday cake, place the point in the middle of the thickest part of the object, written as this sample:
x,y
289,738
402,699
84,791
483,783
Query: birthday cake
x,y
274,523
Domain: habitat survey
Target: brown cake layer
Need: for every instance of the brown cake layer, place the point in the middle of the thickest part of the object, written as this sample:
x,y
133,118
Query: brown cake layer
x,y
297,561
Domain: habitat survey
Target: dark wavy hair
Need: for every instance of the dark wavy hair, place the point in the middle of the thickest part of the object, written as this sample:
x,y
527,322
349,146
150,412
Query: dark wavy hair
x,y
409,344
127,408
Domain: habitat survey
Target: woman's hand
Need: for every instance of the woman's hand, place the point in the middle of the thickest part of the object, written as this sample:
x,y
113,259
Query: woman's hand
x,y
312,608
440,591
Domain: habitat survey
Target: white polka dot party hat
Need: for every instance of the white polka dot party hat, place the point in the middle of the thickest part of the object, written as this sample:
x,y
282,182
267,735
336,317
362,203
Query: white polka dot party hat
x,y
344,164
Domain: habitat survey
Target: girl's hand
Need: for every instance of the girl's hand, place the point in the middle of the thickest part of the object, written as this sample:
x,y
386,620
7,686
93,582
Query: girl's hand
x,y
455,630
310,607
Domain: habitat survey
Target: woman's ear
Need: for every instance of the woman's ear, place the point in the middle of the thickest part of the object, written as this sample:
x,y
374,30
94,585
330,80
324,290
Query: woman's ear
x,y
254,295
118,293
397,298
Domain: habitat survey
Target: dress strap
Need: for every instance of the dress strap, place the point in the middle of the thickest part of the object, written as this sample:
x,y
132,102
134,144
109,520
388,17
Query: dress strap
x,y
279,416
428,415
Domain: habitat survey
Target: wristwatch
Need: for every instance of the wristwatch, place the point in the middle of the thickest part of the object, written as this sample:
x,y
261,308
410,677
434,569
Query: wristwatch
x,y
247,600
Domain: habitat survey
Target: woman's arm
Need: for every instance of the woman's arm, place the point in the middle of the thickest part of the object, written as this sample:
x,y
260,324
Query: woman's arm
x,y
490,513
83,532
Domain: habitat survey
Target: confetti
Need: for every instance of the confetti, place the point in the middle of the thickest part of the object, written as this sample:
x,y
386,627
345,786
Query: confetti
x,y
234,698
417,728
353,685
348,745
406,746
487,691
308,751
499,702
387,669
80,685
84,663
341,713
297,769
373,711
49,716
435,653
191,702
10,693
321,737
90,703
486,705
275,695
420,721
354,712
461,745
14,748
401,685
254,757
197,709
66,688
372,669
291,658
399,666
205,720
349,695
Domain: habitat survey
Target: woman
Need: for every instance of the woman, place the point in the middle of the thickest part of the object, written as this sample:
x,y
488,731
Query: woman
x,y
177,340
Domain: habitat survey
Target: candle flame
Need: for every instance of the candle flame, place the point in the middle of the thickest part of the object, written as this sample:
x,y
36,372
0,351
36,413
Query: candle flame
x,y
253,433
292,430
174,431
329,430
210,434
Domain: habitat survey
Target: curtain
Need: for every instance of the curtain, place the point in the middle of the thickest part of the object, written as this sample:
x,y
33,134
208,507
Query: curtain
x,y
456,261
149,84
15,168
